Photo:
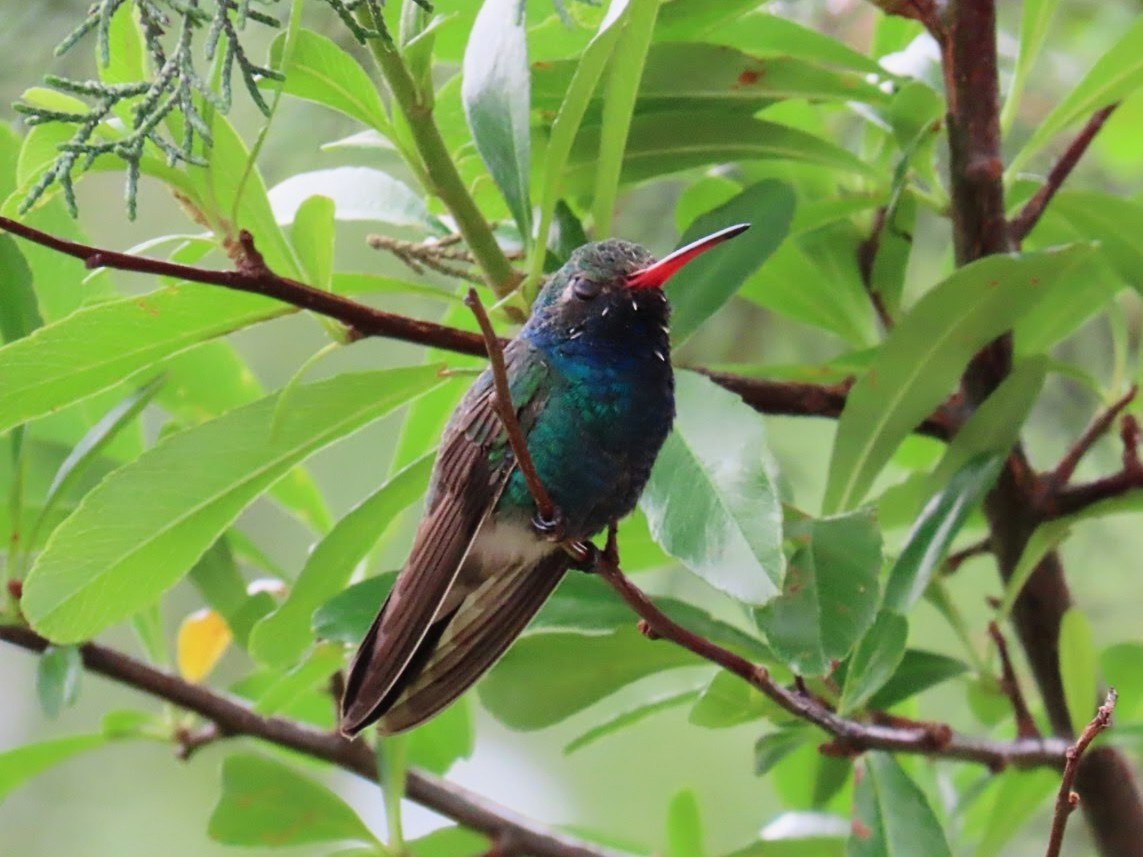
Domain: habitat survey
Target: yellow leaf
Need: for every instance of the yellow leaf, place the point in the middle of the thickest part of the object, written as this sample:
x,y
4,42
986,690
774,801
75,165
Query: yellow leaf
x,y
203,639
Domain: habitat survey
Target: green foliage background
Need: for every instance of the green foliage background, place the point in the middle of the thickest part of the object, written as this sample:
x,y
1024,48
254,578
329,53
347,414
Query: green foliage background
x,y
128,798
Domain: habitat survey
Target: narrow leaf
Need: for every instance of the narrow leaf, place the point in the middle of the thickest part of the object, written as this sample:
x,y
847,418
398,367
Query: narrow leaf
x,y
21,764
1079,667
629,717
358,193
935,530
196,483
684,826
497,99
282,636
707,283
875,660
926,354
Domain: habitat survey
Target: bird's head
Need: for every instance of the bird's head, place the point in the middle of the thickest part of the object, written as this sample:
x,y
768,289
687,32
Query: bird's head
x,y
610,289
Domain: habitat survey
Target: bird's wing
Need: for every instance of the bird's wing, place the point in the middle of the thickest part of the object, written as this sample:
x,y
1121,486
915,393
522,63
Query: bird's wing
x,y
471,471
472,638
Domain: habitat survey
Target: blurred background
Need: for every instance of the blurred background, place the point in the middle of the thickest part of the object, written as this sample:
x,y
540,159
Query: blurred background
x,y
134,798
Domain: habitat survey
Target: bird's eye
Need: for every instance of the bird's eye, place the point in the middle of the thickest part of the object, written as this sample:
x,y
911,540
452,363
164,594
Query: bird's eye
x,y
585,289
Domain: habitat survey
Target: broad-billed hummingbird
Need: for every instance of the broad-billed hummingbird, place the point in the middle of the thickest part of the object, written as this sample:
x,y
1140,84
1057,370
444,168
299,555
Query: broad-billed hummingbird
x,y
592,385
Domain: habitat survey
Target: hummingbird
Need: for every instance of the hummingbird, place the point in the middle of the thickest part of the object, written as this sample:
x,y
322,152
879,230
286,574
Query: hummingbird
x,y
592,385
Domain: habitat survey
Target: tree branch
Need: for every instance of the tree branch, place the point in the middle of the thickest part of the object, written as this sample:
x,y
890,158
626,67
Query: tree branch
x,y
232,718
1067,800
1025,724
1060,501
765,396
1024,222
1062,475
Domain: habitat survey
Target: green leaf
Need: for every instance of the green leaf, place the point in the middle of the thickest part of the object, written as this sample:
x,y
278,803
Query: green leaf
x,y
222,587
281,637
766,35
358,193
918,671
324,73
102,345
310,674
445,739
449,842
710,501
313,239
994,427
623,77
1016,802
892,818
684,826
1119,665
629,717
92,446
57,679
815,278
565,127
1095,216
196,482
1079,667
265,802
936,528
346,617
1116,74
496,93
1046,536
799,834
707,283
1035,17
728,701
775,746
21,314
926,354
875,660
545,678
696,74
21,764
664,143
830,594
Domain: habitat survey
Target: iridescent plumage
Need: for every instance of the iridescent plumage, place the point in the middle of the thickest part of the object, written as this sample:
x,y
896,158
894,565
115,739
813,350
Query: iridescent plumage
x,y
591,382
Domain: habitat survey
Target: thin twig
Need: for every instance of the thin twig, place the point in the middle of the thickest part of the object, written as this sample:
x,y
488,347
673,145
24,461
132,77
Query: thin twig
x,y
867,252
507,412
1098,428
1068,500
958,558
1025,724
1033,209
233,718
1068,800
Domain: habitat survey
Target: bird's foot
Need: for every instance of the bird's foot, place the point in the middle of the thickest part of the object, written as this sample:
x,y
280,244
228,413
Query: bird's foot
x,y
584,555
553,528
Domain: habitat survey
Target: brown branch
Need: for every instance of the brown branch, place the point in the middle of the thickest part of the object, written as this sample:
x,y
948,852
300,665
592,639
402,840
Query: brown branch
x,y
867,252
958,558
1024,222
1067,467
233,718
1068,800
507,412
935,740
765,396
1025,724
1068,500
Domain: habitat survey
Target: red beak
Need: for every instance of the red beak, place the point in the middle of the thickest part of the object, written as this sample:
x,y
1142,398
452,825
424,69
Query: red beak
x,y
655,276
